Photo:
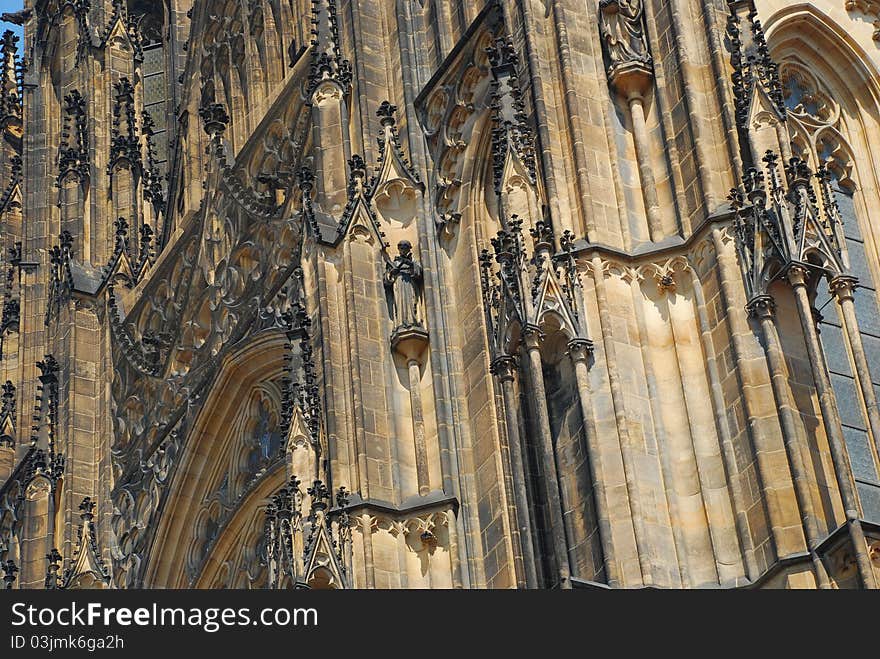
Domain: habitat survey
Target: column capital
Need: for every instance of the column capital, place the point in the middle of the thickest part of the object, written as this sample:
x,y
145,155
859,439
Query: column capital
x,y
533,336
843,286
580,349
798,274
504,367
761,306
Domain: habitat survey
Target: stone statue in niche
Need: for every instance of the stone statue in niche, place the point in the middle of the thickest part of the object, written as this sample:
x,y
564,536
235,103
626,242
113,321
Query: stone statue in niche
x,y
622,24
403,281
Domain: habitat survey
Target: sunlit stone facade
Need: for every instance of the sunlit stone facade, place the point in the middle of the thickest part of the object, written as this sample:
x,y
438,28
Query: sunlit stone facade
x,y
440,294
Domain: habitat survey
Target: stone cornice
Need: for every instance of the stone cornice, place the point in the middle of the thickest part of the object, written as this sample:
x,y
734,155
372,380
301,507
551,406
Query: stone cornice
x,y
673,245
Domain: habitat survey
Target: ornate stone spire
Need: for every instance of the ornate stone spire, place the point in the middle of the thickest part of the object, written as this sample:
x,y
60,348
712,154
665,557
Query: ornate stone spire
x,y
512,135
393,163
10,96
9,569
87,568
781,221
8,415
524,287
758,96
327,63
73,154
296,519
46,408
125,145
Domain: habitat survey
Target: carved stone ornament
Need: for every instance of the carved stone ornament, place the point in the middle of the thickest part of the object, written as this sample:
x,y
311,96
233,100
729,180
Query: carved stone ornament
x,y
403,279
871,9
622,24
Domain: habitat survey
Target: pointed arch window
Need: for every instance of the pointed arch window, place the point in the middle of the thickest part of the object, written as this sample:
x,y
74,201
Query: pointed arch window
x,y
817,131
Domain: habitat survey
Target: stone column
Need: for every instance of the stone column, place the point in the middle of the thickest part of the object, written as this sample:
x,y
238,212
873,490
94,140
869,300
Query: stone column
x,y
418,423
504,369
644,547
842,288
631,75
578,351
367,522
533,337
636,104
728,452
797,276
762,308
411,343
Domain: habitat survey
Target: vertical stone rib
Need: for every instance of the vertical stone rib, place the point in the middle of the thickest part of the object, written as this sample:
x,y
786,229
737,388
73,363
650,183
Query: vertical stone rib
x,y
355,377
541,112
738,328
700,140
524,559
548,458
664,446
762,309
626,452
367,533
574,121
577,350
646,171
454,557
842,289
728,452
451,433
833,427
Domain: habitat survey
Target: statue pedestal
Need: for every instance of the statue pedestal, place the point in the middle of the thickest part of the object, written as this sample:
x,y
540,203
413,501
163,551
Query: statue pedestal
x,y
410,342
632,79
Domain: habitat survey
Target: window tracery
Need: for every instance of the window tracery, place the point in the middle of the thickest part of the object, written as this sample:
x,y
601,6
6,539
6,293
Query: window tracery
x,y
817,126
815,123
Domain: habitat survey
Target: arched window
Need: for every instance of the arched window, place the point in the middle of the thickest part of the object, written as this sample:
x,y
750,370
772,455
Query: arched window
x,y
150,18
818,125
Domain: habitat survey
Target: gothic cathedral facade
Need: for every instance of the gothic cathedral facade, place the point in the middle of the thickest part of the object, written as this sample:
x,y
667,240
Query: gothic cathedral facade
x,y
440,294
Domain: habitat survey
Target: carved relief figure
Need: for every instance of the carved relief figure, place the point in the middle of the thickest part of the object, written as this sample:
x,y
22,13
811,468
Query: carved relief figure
x,y
403,280
623,31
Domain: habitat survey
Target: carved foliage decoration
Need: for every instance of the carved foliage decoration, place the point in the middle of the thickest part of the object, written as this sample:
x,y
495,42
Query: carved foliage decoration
x,y
870,8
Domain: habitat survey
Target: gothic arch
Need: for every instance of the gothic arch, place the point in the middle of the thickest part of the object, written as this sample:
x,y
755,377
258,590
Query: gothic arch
x,y
236,549
209,450
803,36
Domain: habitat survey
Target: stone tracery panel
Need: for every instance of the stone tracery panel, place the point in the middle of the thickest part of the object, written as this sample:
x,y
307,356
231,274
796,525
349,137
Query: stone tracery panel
x,y
207,295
